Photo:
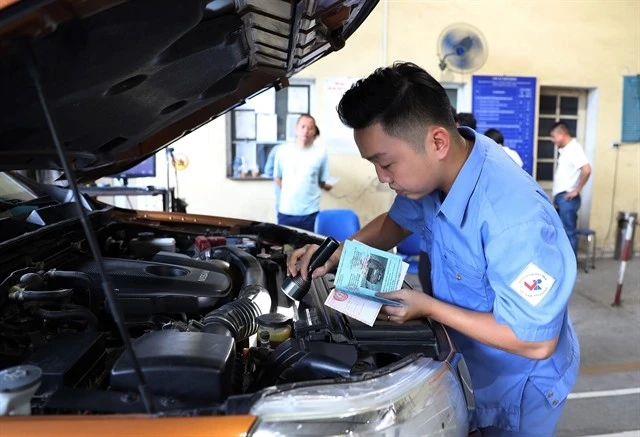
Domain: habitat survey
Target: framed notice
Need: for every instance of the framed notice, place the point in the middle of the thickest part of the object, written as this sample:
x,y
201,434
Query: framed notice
x,y
507,103
631,109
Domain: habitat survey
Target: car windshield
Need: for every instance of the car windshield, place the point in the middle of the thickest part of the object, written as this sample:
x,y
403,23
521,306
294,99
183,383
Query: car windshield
x,y
12,191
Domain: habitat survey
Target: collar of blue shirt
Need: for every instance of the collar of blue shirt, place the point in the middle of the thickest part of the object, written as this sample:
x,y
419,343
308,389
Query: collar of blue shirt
x,y
455,204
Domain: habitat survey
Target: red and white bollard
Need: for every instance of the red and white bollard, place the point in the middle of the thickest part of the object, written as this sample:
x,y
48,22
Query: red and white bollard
x,y
626,249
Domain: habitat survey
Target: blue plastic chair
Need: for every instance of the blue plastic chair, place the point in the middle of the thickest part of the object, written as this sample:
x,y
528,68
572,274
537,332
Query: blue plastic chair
x,y
337,223
409,249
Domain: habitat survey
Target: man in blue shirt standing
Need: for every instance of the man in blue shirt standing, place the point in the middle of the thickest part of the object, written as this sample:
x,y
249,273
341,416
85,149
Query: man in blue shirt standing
x,y
502,266
301,171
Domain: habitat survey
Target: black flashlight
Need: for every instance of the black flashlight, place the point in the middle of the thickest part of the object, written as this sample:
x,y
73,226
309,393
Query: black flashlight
x,y
296,287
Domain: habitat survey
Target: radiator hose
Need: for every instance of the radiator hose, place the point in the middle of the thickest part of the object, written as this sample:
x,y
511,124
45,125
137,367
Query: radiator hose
x,y
73,312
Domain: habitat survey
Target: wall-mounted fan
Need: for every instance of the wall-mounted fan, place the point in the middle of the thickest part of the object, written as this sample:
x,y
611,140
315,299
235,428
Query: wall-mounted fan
x,y
462,48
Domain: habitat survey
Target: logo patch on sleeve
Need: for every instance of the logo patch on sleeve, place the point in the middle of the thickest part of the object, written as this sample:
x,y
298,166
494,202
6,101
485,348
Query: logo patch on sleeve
x,y
533,284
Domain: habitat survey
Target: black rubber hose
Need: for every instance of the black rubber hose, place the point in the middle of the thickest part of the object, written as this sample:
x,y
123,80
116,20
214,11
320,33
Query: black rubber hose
x,y
71,279
42,295
238,319
79,281
32,281
76,313
248,264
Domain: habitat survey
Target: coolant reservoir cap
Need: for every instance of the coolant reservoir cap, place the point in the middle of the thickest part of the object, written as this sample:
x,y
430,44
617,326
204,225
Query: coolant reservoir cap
x,y
273,320
19,378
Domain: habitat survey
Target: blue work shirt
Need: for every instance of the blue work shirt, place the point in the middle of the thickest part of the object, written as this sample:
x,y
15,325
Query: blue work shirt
x,y
497,245
270,163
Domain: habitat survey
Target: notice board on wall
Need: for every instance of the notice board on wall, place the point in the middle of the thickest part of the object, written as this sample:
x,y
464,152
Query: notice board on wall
x,y
631,109
337,138
507,103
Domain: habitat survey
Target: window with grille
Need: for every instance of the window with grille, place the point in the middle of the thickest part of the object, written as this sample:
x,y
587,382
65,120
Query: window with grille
x,y
261,124
452,93
557,104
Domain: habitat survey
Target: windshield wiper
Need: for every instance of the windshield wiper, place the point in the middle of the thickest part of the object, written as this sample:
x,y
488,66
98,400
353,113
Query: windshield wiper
x,y
107,287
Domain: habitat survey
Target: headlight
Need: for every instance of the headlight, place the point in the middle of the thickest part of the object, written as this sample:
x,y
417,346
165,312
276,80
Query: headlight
x,y
422,398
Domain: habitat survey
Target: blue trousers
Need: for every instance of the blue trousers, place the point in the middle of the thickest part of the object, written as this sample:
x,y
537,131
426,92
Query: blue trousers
x,y
568,211
306,222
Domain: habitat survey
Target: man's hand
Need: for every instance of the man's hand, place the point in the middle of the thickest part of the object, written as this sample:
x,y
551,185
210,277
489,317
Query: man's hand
x,y
482,327
417,305
571,194
325,186
585,172
300,259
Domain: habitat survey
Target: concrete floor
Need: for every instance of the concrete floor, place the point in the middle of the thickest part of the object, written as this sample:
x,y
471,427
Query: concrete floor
x,y
606,398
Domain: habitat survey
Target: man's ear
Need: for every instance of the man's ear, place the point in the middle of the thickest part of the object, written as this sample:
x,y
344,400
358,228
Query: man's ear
x,y
441,140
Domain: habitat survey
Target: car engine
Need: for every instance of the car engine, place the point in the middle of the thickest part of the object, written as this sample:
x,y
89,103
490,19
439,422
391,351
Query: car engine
x,y
209,323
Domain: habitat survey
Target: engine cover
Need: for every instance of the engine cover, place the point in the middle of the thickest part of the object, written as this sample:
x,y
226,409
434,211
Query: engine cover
x,y
145,287
181,364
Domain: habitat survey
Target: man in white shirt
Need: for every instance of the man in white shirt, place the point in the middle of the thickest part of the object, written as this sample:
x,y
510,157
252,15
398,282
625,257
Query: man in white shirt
x,y
571,175
497,136
301,171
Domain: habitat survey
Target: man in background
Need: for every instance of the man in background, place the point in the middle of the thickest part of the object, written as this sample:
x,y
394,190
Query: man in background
x,y
571,175
497,136
301,172
466,119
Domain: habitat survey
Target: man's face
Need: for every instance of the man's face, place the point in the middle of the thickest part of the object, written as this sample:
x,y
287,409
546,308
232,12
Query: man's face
x,y
397,163
306,129
559,137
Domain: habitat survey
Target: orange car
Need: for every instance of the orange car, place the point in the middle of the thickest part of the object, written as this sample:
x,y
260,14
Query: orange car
x,y
122,322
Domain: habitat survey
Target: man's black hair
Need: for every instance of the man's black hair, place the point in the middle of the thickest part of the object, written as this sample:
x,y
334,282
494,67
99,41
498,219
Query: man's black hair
x,y
467,119
403,98
495,135
561,125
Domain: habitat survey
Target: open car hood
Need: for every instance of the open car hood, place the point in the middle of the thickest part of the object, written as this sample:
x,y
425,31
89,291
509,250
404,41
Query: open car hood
x,y
123,79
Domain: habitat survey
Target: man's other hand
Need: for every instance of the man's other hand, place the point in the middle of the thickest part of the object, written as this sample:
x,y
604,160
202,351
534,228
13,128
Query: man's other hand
x,y
416,302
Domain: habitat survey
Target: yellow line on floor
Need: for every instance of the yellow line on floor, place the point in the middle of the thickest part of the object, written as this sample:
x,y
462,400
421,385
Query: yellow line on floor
x,y
601,369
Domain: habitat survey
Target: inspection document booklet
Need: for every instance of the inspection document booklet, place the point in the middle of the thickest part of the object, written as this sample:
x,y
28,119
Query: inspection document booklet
x,y
364,271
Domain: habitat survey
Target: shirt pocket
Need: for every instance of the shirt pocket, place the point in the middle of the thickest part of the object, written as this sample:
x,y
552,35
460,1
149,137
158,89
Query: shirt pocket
x,y
466,284
310,174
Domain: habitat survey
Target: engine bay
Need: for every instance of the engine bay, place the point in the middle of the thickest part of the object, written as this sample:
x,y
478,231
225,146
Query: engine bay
x,y
209,323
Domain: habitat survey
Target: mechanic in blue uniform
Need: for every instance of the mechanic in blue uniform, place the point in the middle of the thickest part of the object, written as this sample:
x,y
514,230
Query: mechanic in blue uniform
x,y
502,266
